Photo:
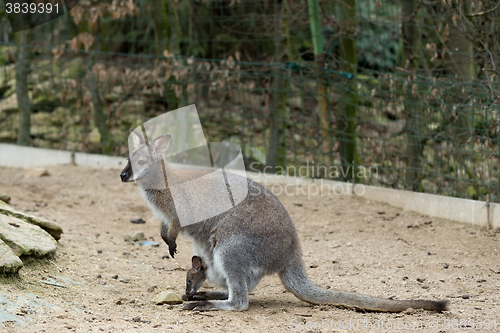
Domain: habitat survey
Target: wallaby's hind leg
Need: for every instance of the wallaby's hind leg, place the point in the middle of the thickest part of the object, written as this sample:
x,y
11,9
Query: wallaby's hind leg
x,y
207,295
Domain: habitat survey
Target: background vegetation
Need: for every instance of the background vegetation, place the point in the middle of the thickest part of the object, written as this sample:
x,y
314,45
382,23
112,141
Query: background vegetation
x,y
410,87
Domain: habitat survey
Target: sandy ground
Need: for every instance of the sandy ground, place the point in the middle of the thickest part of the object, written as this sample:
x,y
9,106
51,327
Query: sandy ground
x,y
348,243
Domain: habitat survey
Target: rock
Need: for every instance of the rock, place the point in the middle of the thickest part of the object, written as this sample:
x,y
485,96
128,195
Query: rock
x,y
51,227
9,104
115,94
46,126
42,119
167,298
47,93
134,236
5,198
25,238
149,243
8,136
8,72
74,69
465,296
131,119
409,311
9,262
132,106
62,116
36,173
95,136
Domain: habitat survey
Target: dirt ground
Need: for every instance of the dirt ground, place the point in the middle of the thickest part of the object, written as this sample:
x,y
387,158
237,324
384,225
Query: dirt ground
x,y
348,243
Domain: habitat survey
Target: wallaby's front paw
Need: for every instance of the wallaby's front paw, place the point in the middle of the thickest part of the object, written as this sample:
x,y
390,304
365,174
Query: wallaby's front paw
x,y
172,248
200,296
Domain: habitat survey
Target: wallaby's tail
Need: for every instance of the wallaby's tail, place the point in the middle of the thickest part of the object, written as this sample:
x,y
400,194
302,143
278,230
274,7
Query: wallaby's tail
x,y
296,281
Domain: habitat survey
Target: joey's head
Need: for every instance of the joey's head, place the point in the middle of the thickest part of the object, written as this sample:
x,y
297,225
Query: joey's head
x,y
195,276
144,160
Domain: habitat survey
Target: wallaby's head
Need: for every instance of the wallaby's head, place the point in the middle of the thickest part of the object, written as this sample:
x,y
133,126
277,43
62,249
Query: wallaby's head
x,y
144,160
195,276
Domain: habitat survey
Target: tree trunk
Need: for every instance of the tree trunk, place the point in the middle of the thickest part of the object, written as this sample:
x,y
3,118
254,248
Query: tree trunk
x,y
159,14
23,100
276,152
175,27
276,145
462,58
413,108
100,118
347,109
322,90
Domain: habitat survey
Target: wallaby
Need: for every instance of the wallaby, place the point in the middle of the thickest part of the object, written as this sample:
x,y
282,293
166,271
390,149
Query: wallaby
x,y
195,278
253,239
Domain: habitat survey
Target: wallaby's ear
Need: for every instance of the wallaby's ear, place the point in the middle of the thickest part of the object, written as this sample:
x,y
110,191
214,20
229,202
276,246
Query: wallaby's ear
x,y
137,138
197,264
161,143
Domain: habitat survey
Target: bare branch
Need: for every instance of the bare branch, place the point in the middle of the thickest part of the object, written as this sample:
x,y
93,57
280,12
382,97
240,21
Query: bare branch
x,y
491,55
484,12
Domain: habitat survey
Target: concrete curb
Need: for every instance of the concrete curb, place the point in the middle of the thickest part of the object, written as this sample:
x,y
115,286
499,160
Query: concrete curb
x,y
15,156
456,209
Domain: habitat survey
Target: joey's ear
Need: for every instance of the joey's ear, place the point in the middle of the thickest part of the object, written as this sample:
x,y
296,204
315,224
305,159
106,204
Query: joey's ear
x,y
197,264
161,143
137,138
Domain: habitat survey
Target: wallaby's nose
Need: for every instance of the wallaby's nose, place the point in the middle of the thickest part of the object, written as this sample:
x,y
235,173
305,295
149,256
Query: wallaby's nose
x,y
124,177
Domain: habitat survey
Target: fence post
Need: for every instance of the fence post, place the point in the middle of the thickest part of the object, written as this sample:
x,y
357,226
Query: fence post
x,y
319,61
347,111
23,100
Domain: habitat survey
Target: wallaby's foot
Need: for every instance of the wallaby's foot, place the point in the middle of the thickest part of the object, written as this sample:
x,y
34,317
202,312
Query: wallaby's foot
x,y
199,306
237,300
216,305
206,295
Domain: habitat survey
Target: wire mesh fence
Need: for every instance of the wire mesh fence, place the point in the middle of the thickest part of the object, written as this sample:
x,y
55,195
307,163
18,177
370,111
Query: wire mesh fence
x,y
403,94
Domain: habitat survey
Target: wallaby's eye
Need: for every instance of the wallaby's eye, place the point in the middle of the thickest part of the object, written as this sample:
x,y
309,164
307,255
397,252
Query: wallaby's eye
x,y
141,162
190,281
